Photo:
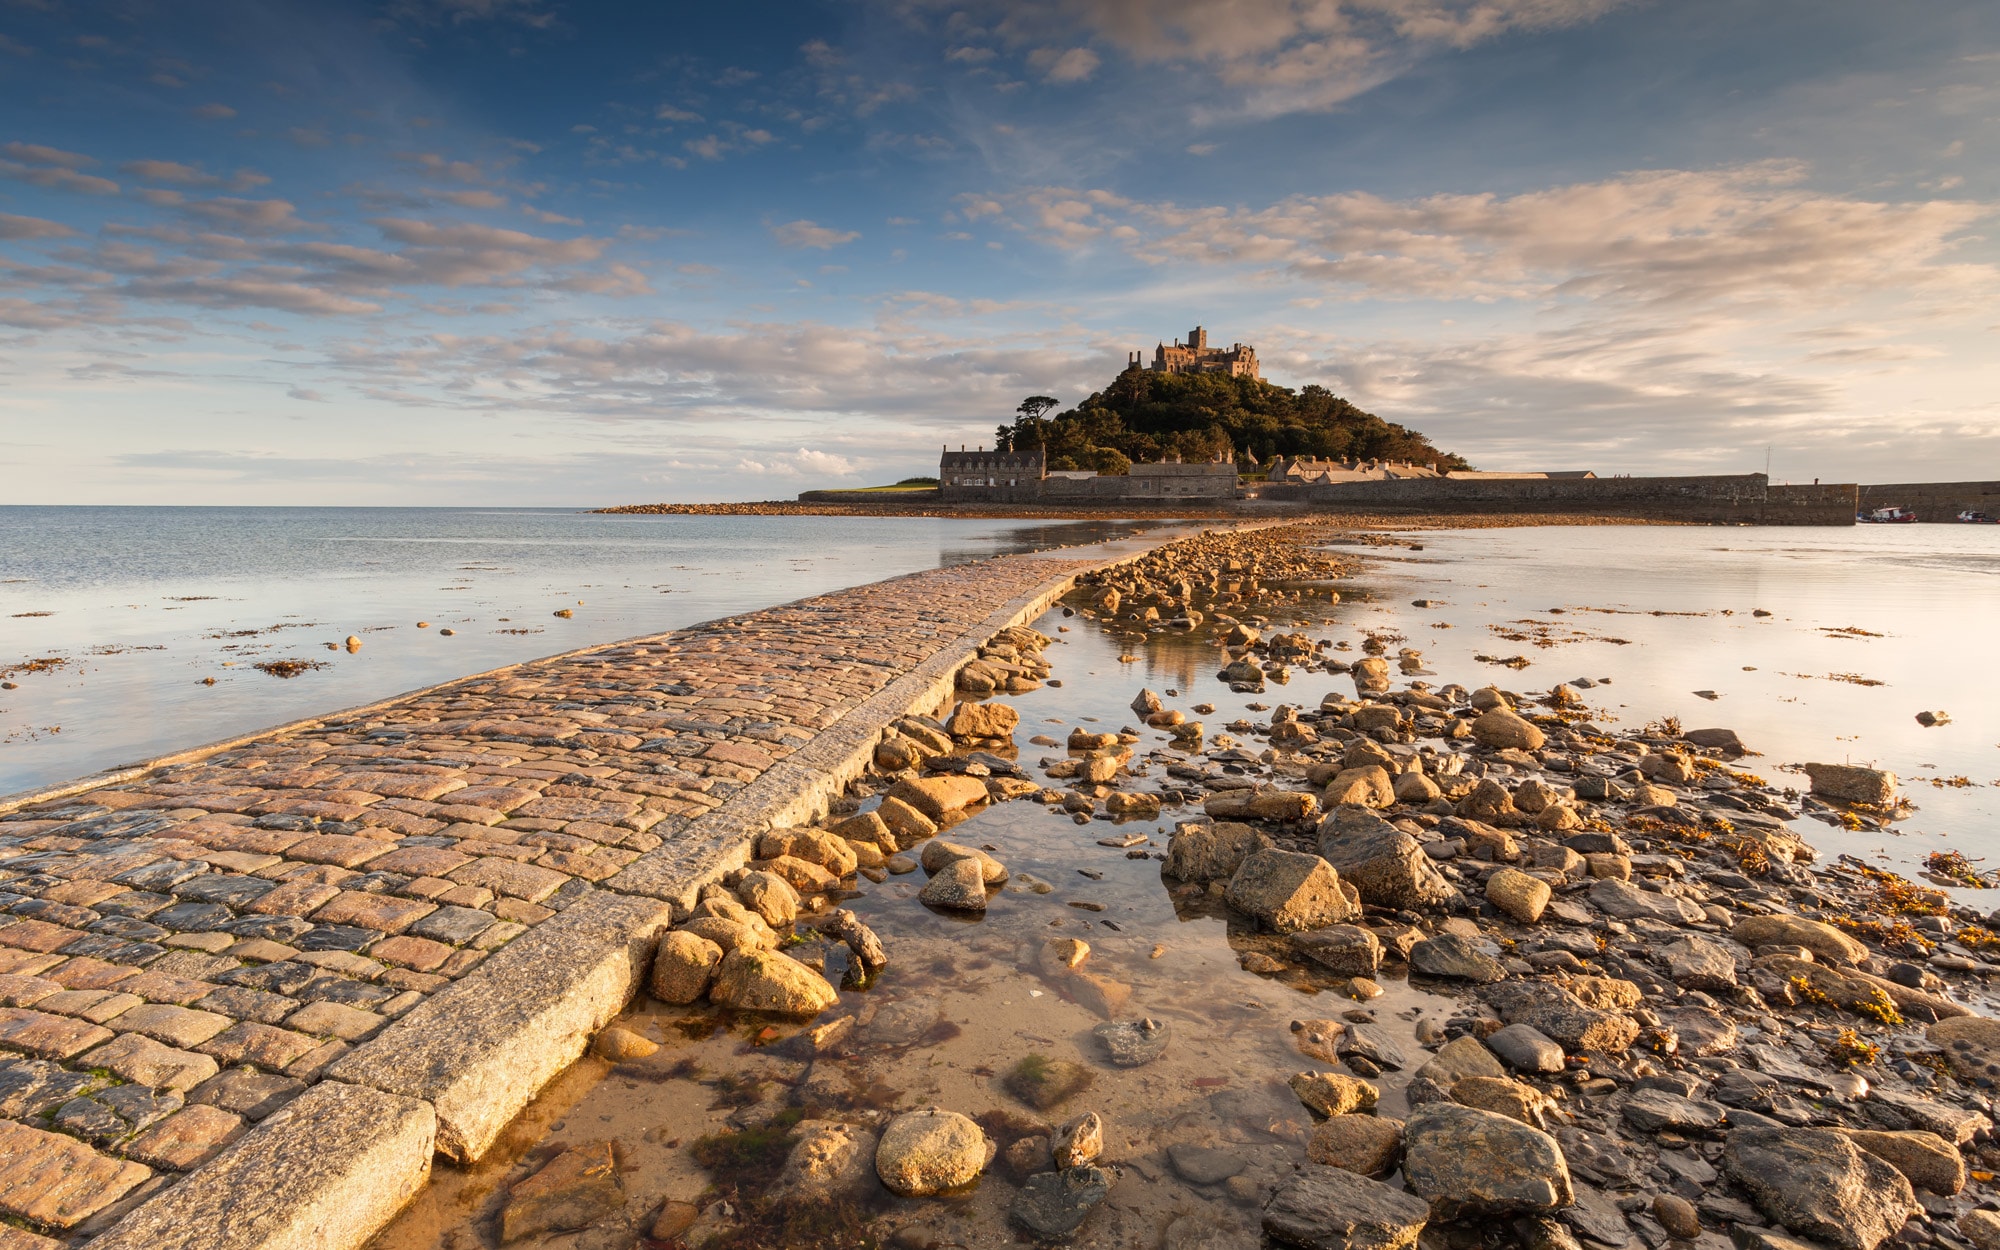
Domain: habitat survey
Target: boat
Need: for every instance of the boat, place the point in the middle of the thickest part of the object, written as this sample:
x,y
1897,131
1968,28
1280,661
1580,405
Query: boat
x,y
1886,516
1969,517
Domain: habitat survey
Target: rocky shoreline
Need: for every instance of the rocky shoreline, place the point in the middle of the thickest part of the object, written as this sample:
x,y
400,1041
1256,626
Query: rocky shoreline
x,y
1642,1012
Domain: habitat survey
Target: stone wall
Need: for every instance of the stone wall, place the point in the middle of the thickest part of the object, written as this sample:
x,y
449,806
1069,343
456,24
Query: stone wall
x,y
1935,501
1717,499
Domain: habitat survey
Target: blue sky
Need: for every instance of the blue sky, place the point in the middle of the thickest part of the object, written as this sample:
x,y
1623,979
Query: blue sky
x,y
557,252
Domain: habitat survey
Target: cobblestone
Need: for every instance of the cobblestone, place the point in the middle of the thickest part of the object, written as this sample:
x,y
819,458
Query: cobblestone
x,y
263,908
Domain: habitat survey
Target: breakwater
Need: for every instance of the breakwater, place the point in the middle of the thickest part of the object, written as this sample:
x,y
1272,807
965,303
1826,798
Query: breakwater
x,y
250,991
1738,499
1934,501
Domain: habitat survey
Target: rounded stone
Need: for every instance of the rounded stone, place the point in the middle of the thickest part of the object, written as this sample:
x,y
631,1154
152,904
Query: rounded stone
x,y
929,1151
957,886
1365,1144
622,1045
684,967
773,982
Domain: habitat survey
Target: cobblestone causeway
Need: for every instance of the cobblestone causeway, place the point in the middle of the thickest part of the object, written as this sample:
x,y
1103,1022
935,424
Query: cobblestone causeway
x,y
183,954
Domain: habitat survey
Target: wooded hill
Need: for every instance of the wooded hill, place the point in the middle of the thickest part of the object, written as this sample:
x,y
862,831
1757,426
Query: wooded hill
x,y
1144,416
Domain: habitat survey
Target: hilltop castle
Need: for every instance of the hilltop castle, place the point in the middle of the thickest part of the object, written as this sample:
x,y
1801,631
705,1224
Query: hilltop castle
x,y
1239,360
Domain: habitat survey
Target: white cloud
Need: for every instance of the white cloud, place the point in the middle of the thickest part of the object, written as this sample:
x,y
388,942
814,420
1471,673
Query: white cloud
x,y
801,463
16,227
1060,66
809,234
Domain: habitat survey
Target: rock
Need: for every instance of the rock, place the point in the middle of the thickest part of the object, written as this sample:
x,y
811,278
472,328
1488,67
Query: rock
x,y
1210,852
1526,1050
1371,676
1415,789
1659,1111
1500,729
1519,895
1205,1232
683,967
1385,865
1505,1096
1698,963
1723,740
1489,800
895,755
1929,1161
676,1217
1331,1093
1045,1083
1369,786
1133,1043
1981,1228
1326,1208
929,1151
1203,1165
1079,1141
857,936
1454,958
1343,949
1134,806
1460,1059
829,1161
622,1045
729,935
1469,1163
815,846
770,981
574,1190
1318,1039
1819,1184
1101,995
957,886
1628,902
982,720
1557,1014
771,897
866,827
1851,783
1055,1204
1365,1144
1028,1156
941,795
1676,1214
1289,891
1828,944
904,822
1146,703
938,852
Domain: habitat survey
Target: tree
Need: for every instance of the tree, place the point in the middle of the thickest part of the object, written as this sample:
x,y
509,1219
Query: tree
x,y
1034,406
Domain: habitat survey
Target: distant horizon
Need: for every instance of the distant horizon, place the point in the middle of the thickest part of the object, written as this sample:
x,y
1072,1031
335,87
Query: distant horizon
x,y
392,253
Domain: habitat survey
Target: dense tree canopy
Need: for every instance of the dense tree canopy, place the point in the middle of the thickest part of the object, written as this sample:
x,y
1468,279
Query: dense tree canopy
x,y
1144,415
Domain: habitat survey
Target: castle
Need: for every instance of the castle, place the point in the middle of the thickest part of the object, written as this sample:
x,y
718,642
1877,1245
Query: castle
x,y
1239,360
984,476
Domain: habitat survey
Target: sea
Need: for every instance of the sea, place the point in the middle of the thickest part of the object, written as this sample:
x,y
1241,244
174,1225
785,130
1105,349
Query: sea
x,y
132,632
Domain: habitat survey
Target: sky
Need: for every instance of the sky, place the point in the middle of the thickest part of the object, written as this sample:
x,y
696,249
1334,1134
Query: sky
x,y
558,252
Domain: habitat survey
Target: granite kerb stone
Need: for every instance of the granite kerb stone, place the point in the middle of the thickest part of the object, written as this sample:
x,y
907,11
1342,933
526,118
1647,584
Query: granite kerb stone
x,y
480,1049
325,1172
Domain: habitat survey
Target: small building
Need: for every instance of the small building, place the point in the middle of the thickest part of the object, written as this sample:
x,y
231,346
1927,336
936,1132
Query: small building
x,y
993,476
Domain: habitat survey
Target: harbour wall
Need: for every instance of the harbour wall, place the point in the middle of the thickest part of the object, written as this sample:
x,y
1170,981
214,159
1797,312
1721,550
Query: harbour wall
x,y
1740,499
1934,501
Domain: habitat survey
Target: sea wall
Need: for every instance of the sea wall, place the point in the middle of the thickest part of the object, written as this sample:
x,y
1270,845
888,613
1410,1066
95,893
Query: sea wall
x,y
1744,498
1934,501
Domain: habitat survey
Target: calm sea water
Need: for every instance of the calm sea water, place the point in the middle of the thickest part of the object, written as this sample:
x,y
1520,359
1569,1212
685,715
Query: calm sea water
x,y
139,608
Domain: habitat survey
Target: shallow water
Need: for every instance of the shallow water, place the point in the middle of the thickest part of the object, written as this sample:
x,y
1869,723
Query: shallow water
x,y
963,1001
141,607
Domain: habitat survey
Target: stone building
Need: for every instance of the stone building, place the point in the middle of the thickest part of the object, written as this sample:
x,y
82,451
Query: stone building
x,y
983,476
1239,360
993,476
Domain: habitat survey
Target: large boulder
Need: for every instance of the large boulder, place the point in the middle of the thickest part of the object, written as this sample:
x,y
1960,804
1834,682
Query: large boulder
x,y
1470,1163
1828,944
938,853
1629,902
1519,895
1289,891
1723,740
958,885
940,796
982,720
1211,852
1345,950
683,967
1329,1208
1367,786
1501,729
1851,783
1367,1144
829,1161
1820,1185
762,980
1559,1015
1386,866
1929,1161
929,1151
1453,957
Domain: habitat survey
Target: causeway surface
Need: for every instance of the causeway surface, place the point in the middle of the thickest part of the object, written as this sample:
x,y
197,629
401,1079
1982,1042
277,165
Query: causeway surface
x,y
266,980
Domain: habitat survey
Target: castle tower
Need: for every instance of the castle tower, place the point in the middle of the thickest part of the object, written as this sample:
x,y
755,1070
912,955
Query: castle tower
x,y
1198,339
